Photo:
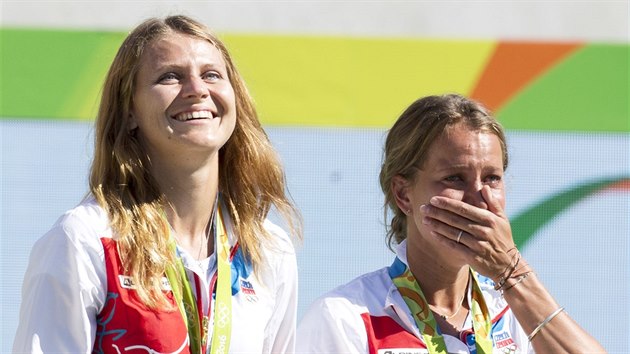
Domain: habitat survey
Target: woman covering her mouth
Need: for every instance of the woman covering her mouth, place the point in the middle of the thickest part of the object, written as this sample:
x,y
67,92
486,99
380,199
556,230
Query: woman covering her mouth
x,y
458,284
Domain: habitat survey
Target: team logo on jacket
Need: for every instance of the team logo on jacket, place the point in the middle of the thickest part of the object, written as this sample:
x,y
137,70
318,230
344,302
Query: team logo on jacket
x,y
248,290
503,342
126,282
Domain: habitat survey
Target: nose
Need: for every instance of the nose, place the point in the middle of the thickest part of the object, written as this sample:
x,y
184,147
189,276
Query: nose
x,y
195,87
473,196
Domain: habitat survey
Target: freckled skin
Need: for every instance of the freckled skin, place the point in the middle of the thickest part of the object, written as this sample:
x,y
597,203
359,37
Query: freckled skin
x,y
178,74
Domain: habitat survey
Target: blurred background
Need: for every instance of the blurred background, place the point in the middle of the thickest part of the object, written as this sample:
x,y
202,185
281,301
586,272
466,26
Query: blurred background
x,y
329,78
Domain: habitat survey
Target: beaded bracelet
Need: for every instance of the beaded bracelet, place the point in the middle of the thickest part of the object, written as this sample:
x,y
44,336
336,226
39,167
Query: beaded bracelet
x,y
544,323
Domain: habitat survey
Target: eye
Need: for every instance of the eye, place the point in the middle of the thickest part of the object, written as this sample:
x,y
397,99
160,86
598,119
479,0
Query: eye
x,y
453,178
212,76
493,179
168,78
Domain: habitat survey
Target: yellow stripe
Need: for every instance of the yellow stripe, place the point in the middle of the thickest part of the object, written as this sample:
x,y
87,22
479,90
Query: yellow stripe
x,y
295,80
332,81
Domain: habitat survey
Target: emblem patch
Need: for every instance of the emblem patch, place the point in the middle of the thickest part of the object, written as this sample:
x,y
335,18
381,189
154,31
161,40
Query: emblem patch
x,y
248,290
126,282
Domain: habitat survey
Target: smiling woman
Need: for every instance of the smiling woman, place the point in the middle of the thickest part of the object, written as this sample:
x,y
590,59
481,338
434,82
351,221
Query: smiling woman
x,y
171,250
183,102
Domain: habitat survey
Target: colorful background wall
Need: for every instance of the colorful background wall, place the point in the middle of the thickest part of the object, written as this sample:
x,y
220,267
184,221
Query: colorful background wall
x,y
329,78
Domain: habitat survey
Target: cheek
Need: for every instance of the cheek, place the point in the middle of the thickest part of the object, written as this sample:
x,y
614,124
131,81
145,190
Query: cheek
x,y
149,102
228,97
499,195
425,192
496,193
452,193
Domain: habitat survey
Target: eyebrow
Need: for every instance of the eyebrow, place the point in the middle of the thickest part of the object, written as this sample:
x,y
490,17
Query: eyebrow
x,y
173,66
445,166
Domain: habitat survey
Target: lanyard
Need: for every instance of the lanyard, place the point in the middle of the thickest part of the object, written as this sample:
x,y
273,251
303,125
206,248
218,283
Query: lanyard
x,y
414,298
223,303
195,321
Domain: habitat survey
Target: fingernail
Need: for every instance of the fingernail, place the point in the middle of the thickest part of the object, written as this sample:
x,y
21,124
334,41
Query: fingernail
x,y
423,208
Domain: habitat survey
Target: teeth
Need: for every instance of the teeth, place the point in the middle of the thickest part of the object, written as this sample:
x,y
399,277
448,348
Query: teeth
x,y
193,115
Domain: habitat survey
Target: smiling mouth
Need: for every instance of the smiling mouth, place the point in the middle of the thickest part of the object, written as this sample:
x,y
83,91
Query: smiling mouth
x,y
186,116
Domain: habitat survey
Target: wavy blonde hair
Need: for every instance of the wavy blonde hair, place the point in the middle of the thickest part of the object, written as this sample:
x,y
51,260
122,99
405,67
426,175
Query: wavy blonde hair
x,y
251,178
410,138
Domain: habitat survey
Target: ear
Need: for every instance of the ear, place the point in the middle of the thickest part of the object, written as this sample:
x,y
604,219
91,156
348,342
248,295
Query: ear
x,y
132,124
400,190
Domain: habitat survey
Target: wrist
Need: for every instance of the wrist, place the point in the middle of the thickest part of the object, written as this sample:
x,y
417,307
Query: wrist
x,y
508,272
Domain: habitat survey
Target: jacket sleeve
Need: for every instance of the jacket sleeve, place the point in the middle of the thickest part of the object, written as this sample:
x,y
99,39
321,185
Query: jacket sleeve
x,y
280,331
63,290
331,325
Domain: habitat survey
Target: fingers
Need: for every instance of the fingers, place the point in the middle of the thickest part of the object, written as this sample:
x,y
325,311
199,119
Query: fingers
x,y
444,225
464,238
459,235
457,249
458,207
447,217
481,236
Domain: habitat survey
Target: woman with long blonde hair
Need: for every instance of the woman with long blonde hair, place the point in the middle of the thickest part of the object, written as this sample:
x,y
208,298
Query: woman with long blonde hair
x,y
171,251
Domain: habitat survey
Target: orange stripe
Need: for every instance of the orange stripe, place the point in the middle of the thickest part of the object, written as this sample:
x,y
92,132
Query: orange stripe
x,y
513,66
623,185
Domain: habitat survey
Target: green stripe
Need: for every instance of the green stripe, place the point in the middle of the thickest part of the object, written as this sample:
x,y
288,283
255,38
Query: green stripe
x,y
586,92
526,224
325,81
53,73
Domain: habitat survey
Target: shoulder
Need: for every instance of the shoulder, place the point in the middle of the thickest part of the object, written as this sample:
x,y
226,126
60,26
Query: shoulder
x,y
88,216
78,229
279,263
65,277
366,293
279,240
70,256
335,322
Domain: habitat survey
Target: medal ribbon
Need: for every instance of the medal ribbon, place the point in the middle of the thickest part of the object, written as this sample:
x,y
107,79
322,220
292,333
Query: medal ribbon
x,y
223,304
414,298
182,291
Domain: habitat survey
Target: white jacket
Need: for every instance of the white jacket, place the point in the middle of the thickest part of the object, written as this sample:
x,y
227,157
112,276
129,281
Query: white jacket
x,y
368,315
65,288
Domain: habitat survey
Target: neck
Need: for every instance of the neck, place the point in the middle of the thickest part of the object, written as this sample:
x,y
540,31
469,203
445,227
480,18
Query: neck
x,y
191,194
443,283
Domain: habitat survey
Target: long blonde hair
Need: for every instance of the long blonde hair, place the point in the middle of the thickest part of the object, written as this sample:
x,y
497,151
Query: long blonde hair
x,y
251,178
410,138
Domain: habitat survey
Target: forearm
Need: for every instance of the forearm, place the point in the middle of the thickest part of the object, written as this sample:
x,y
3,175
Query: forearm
x,y
489,247
532,304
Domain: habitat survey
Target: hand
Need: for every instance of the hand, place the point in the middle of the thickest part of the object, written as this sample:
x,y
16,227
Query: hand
x,y
486,235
